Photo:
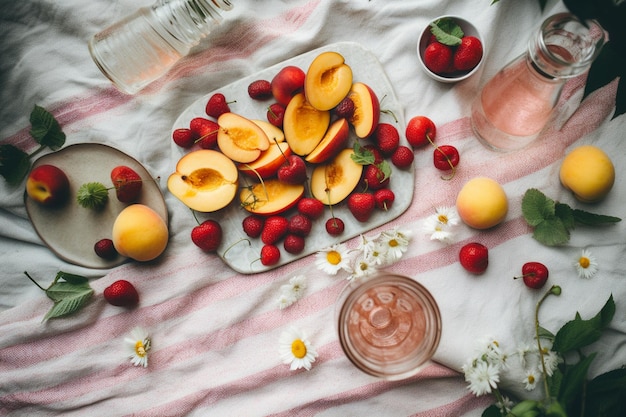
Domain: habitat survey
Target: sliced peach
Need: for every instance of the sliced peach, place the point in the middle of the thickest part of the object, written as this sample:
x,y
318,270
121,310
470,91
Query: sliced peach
x,y
268,163
273,133
205,180
304,125
328,80
240,138
270,197
331,183
366,109
333,141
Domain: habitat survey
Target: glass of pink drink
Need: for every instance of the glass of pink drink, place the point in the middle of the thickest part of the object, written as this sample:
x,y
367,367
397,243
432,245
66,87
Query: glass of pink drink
x,y
389,326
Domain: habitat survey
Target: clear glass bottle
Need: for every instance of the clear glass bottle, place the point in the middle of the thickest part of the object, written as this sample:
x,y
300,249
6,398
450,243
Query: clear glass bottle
x,y
519,101
145,45
389,326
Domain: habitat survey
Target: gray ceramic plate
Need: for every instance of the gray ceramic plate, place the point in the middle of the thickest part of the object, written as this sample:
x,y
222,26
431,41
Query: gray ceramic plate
x,y
71,231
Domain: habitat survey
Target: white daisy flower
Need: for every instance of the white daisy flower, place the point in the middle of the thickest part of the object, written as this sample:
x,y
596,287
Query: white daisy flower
x,y
367,245
551,361
530,380
333,259
505,405
586,265
482,377
285,299
362,268
296,350
447,215
436,230
292,292
394,243
377,255
138,346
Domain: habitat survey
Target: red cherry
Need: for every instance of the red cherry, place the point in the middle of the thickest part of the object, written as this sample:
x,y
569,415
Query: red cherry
x,y
534,274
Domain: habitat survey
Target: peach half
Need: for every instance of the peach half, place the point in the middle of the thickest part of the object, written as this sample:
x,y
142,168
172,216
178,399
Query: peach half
x,y
270,197
304,125
332,143
273,133
331,183
328,80
366,109
268,163
205,180
239,138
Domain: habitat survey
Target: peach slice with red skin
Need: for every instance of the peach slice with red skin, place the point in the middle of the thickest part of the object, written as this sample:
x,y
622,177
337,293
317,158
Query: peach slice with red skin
x,y
366,109
332,143
240,138
286,83
328,80
304,126
268,163
273,133
331,183
270,197
205,180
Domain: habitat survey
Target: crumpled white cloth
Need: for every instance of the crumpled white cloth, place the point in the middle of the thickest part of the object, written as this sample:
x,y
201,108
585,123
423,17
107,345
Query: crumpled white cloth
x,y
215,332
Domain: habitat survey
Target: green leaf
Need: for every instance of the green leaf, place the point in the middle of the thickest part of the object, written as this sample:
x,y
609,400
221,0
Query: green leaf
x,y
60,290
45,129
554,383
92,195
71,278
579,333
447,31
592,219
574,379
551,232
385,168
566,214
536,207
544,333
491,411
606,394
361,155
72,302
14,164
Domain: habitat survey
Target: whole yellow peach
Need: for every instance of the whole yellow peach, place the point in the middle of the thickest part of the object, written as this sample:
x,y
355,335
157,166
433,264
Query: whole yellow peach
x,y
482,203
588,172
139,233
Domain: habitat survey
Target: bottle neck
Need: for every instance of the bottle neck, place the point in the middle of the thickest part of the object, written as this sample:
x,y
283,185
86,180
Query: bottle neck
x,y
565,47
183,23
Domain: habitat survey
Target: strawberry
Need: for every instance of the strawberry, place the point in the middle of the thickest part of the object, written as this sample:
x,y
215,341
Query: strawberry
x,y
403,157
300,225
260,90
474,257
207,235
534,274
127,183
183,137
206,131
361,205
420,131
387,138
375,177
378,156
438,57
468,54
274,229
253,225
270,255
446,157
293,243
217,105
345,109
104,248
122,294
384,198
311,207
293,171
276,114
334,226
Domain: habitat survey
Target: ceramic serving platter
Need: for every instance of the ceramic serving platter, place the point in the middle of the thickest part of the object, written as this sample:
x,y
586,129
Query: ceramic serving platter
x,y
243,256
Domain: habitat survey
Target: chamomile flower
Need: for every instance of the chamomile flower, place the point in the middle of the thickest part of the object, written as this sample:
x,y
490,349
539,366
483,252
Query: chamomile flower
x,y
138,345
440,225
530,380
285,299
505,405
586,265
482,377
296,350
367,245
363,267
333,259
551,361
395,242
292,292
447,216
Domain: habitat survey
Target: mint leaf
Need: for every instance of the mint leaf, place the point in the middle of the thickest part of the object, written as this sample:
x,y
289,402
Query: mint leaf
x,y
551,232
447,31
71,278
45,129
14,164
361,155
536,207
72,300
566,214
385,168
591,219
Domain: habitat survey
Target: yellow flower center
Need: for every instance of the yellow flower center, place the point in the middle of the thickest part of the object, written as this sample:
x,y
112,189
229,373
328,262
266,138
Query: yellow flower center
x,y
584,262
531,379
393,243
298,349
442,218
333,257
140,349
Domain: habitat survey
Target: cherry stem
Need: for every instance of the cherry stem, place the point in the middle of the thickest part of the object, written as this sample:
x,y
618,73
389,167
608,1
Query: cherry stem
x,y
35,282
554,290
530,274
235,243
452,167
